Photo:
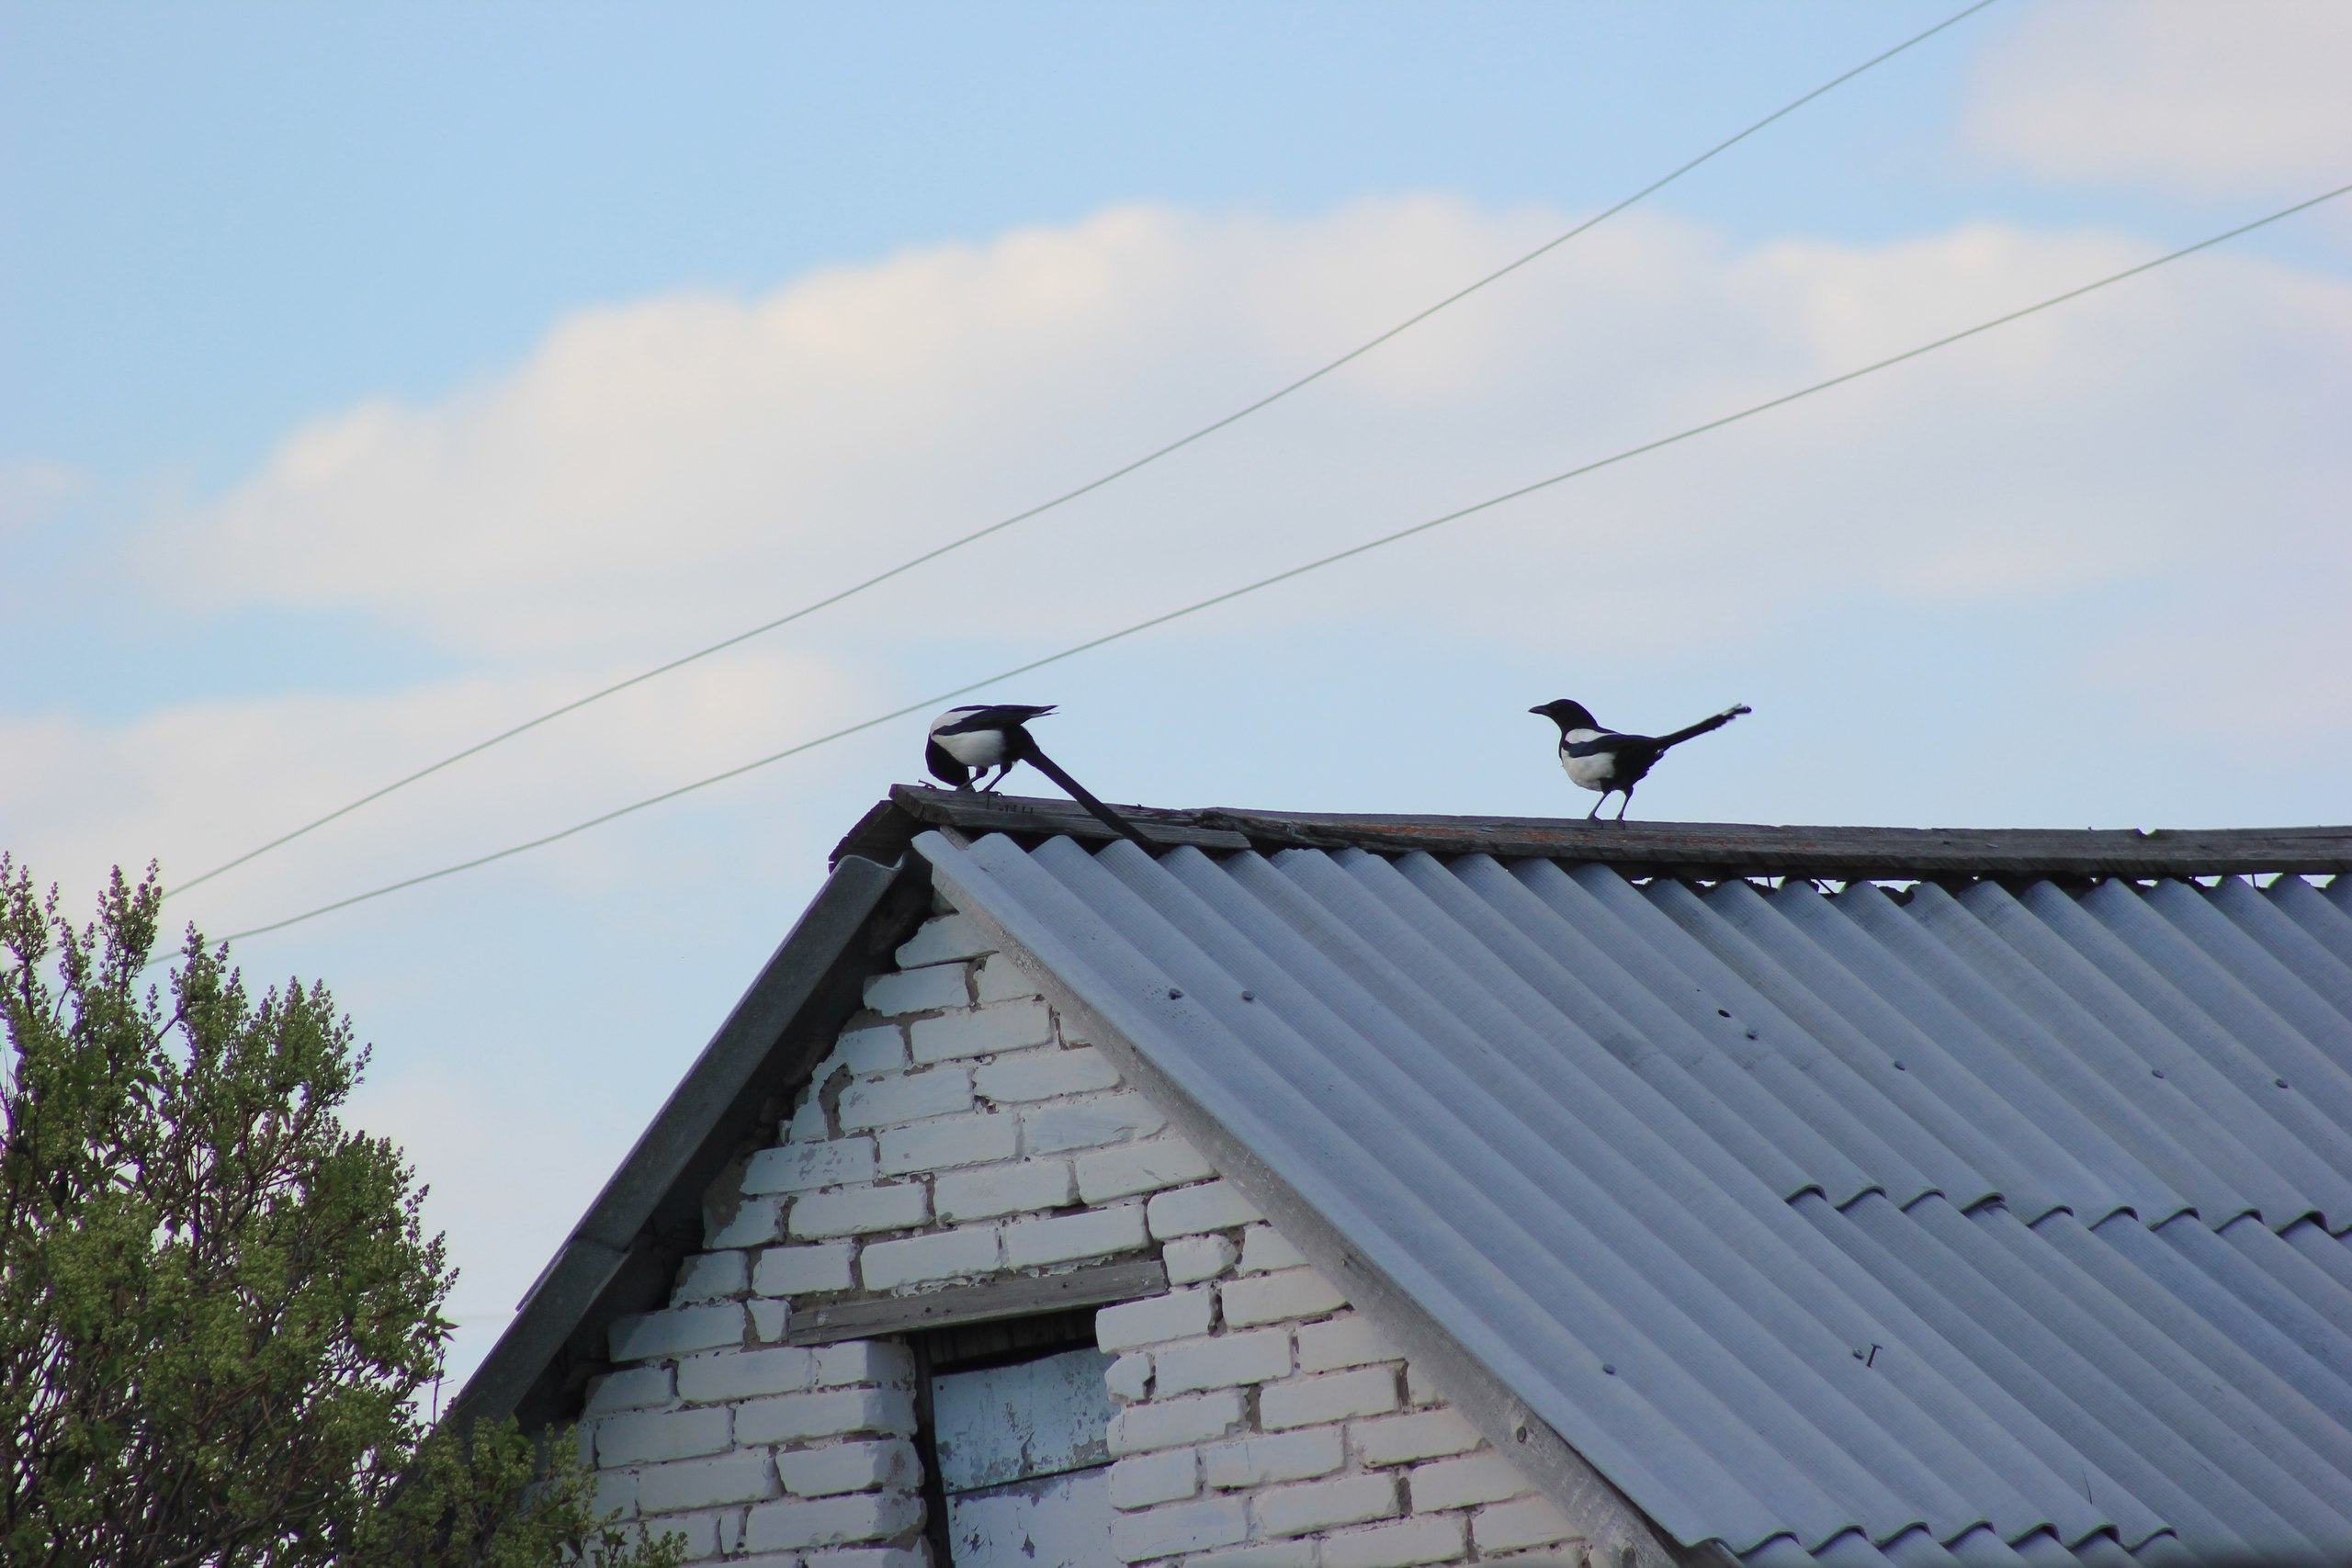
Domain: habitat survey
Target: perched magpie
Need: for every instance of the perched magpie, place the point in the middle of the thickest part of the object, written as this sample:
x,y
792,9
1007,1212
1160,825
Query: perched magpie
x,y
1603,760
969,740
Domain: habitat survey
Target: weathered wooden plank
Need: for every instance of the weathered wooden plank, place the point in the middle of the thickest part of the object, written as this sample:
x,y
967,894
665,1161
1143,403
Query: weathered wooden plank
x,y
1719,849
1687,849
1101,1286
977,813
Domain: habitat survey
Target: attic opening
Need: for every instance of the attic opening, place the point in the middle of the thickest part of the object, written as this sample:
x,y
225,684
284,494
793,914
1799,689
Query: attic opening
x,y
1012,1419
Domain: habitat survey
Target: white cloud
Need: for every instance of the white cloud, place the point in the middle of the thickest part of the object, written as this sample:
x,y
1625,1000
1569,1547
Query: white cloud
x,y
203,781
2190,95
658,472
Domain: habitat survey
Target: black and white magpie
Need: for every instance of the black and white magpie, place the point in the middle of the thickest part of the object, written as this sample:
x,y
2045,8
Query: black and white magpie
x,y
967,741
1603,760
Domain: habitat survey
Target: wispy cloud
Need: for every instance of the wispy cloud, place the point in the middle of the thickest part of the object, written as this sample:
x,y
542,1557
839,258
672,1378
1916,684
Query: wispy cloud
x,y
2181,95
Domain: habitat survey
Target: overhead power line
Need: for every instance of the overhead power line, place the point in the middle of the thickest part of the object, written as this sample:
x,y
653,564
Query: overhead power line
x,y
912,562
1316,565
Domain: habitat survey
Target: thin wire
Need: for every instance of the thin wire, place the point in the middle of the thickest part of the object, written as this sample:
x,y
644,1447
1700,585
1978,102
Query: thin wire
x,y
1148,459
1317,565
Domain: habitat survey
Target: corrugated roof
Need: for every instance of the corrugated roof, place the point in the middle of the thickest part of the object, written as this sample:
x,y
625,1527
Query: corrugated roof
x,y
1988,1225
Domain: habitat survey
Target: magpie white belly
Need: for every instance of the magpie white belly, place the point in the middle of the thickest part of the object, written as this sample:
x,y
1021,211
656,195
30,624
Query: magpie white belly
x,y
1594,771
975,749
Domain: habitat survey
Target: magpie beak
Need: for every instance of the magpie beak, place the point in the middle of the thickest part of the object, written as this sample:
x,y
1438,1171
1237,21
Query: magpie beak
x,y
1606,760
966,741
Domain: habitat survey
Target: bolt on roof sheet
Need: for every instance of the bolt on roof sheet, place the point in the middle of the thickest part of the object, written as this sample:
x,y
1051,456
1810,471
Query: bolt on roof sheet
x,y
1995,1224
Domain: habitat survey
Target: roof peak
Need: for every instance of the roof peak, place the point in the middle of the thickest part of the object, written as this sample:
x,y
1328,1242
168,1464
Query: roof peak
x,y
1704,849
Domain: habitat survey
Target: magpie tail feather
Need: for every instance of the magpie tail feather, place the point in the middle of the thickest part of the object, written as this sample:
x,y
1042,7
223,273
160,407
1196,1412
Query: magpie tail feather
x,y
1077,792
1703,726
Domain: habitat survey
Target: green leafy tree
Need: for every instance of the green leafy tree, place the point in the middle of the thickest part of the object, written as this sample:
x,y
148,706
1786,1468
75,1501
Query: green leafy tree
x,y
217,1303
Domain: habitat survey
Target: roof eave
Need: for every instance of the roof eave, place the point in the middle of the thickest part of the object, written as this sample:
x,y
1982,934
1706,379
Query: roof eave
x,y
623,1254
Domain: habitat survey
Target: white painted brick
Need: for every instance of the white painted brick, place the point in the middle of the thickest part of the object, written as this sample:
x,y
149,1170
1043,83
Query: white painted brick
x,y
613,1492
1319,1505
1042,1075
943,939
744,1374
1142,1480
1001,980
1266,1554
1263,1250
850,1467
638,1436
831,1521
845,1557
1332,1396
1400,1545
743,1476
1181,1527
677,1331
1464,1483
801,1167
800,1271
1270,1298
696,1533
1418,1390
1085,1123
768,1319
1164,1423
1004,1190
1221,1360
856,1211
713,1276
911,1097
918,990
807,1123
1145,1167
1349,1340
1190,1258
755,1221
864,1360
631,1389
945,1254
1128,1378
1188,1211
1285,1456
1424,1434
982,1032
976,1139
1094,1234
881,1048
1179,1315
1530,1521
790,1416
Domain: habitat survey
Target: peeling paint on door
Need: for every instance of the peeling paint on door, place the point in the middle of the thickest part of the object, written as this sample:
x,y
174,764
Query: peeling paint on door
x,y
1023,1461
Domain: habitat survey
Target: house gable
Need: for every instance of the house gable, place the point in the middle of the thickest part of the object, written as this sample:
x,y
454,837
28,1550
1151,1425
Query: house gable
x,y
960,1134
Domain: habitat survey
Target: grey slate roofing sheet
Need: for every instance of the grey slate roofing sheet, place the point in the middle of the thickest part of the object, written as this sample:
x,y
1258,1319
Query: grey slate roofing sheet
x,y
1994,1225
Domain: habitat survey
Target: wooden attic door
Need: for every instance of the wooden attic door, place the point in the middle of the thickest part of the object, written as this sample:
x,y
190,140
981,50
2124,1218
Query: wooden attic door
x,y
1022,1462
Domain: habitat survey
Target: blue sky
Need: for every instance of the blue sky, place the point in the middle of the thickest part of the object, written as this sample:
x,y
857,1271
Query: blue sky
x,y
373,377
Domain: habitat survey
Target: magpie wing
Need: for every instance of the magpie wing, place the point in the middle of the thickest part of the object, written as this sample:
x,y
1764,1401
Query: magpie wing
x,y
999,716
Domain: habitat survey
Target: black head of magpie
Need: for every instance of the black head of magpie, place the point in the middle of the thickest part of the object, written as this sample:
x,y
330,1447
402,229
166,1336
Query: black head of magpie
x,y
1599,759
968,740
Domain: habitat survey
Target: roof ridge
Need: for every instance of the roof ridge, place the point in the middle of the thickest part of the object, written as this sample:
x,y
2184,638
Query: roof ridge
x,y
1701,850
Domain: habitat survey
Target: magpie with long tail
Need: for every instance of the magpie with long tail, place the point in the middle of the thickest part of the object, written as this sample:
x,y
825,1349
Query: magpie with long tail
x,y
968,741
1603,760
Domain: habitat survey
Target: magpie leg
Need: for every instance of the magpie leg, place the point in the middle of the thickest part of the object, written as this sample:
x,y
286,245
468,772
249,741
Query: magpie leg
x,y
1623,804
1597,805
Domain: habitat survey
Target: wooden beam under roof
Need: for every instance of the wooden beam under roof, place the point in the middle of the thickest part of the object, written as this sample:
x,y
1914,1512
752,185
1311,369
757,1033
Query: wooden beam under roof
x,y
1697,850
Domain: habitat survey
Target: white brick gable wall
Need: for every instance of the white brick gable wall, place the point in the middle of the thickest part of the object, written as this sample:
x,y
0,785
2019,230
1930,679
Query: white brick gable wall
x,y
957,1134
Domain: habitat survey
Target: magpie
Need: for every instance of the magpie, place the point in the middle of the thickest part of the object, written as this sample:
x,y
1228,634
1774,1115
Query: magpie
x,y
1603,760
969,740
